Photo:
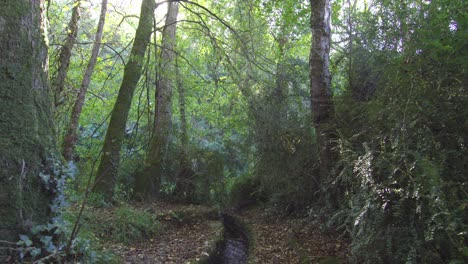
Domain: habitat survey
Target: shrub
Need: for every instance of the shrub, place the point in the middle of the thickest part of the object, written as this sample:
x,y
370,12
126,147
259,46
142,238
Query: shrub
x,y
244,191
133,225
402,156
128,224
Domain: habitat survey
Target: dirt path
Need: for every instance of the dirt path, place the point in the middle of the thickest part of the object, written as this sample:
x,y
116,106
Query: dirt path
x,y
189,232
289,240
185,244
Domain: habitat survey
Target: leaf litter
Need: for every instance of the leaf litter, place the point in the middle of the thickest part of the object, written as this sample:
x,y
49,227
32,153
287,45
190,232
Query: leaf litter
x,y
189,233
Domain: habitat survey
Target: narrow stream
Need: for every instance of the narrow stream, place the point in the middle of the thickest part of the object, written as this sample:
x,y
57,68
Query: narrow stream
x,y
236,246
234,249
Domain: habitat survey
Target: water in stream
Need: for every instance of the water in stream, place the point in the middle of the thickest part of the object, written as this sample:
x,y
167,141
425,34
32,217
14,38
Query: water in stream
x,y
234,248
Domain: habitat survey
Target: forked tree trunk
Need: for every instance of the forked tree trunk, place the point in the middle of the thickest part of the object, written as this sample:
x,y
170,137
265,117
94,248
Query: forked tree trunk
x,y
26,120
71,137
107,171
148,181
321,100
58,80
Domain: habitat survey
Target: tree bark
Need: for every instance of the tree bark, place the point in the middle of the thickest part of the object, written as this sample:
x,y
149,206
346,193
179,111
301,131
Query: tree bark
x,y
148,182
183,119
183,116
107,171
26,120
184,185
321,99
281,80
71,136
58,80
322,106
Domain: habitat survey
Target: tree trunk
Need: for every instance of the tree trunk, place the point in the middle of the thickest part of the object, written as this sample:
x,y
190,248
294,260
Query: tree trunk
x,y
183,117
322,106
58,80
107,171
281,90
71,136
149,179
321,100
26,120
185,185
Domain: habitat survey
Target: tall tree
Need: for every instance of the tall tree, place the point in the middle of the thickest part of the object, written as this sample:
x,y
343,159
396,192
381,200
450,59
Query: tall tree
x,y
151,176
26,127
58,80
107,171
71,136
321,99
183,116
184,185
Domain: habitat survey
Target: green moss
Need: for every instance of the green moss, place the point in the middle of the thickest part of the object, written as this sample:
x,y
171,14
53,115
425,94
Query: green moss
x,y
14,9
25,119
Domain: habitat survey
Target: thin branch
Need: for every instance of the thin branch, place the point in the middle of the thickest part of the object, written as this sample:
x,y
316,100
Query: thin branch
x,y
41,260
116,52
7,242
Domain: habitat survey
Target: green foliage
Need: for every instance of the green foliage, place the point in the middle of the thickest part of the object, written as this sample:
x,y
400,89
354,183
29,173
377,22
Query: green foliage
x,y
210,176
244,191
402,149
48,243
128,224
44,241
133,225
284,155
399,84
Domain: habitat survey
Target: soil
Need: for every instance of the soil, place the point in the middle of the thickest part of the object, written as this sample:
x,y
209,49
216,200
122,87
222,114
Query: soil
x,y
189,233
281,239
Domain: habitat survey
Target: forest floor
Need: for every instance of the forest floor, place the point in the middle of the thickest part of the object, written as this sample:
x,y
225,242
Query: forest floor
x,y
189,232
282,239
186,233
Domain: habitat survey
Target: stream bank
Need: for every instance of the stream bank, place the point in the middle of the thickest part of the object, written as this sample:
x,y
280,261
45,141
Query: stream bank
x,y
234,246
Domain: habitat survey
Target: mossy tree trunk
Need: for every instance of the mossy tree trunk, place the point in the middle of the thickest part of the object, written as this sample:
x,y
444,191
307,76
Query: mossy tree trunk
x,y
148,181
321,98
59,77
71,137
107,171
26,120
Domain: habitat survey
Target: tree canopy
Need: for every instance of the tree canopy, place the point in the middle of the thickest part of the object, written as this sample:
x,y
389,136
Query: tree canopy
x,y
352,110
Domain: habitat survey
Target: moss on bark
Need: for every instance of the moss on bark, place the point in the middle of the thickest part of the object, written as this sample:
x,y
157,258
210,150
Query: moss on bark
x,y
26,128
107,171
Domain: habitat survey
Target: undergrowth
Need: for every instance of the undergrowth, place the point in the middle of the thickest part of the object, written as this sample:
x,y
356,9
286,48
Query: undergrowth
x,y
53,242
123,224
403,159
